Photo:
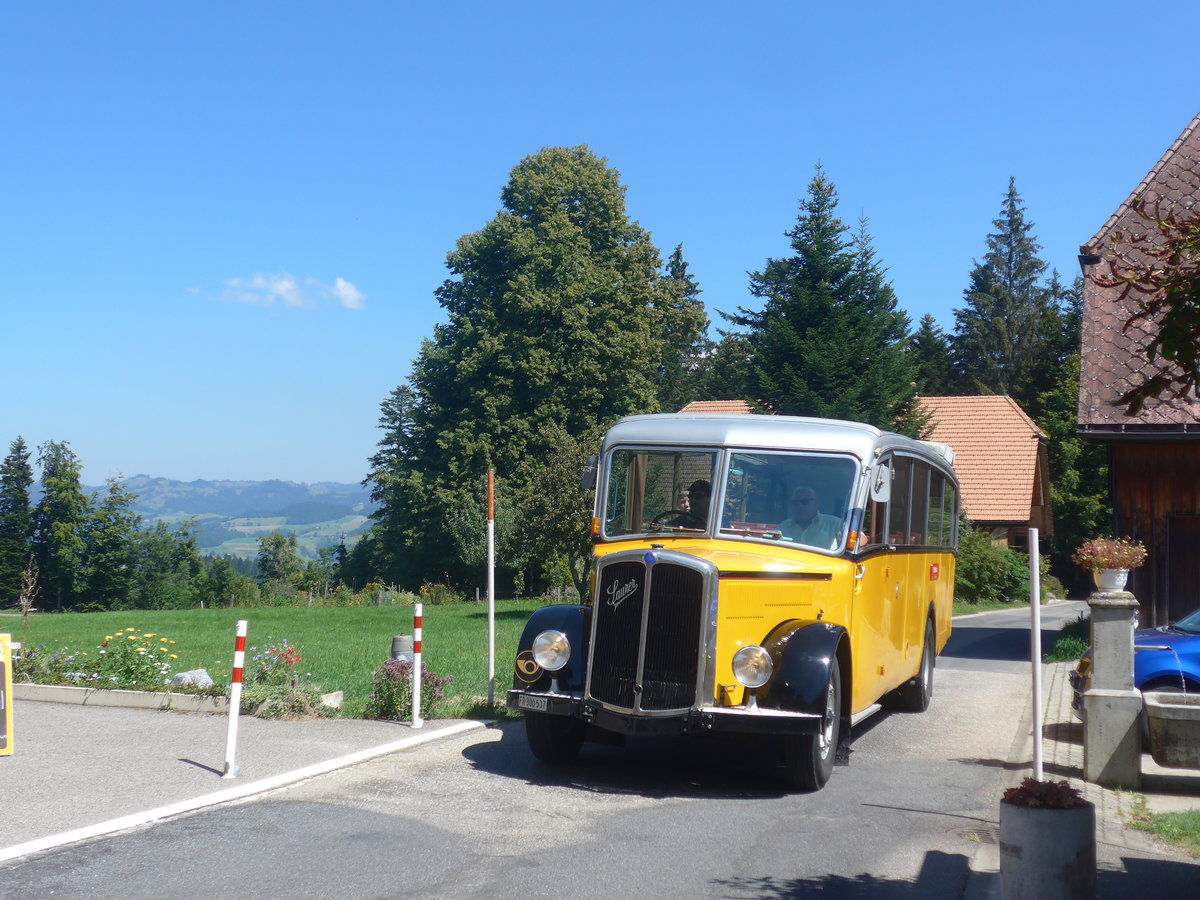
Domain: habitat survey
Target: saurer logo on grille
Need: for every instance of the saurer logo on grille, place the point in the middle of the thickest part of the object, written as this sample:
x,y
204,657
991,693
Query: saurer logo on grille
x,y
617,592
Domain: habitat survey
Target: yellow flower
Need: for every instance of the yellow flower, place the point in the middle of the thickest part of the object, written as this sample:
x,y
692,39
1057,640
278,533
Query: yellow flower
x,y
108,637
130,637
170,642
164,640
150,635
173,656
162,649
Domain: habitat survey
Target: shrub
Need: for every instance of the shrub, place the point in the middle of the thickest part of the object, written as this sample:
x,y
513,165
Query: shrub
x,y
391,697
284,701
62,666
273,665
132,658
1072,640
437,594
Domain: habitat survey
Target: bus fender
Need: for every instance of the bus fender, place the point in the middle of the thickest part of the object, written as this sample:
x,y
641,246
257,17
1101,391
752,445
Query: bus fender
x,y
571,621
803,653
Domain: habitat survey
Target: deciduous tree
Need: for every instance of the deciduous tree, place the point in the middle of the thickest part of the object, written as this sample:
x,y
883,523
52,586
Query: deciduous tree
x,y
557,316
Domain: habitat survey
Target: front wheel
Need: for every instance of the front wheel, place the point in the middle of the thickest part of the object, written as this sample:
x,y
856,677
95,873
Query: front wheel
x,y
808,758
553,739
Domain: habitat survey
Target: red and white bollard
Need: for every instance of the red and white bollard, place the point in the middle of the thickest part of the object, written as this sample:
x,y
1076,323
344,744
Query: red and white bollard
x,y
235,698
416,667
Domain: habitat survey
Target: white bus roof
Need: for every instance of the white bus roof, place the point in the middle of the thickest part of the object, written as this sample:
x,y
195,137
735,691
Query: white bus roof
x,y
768,433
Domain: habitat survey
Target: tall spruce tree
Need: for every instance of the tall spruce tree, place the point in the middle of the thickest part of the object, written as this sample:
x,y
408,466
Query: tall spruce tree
x,y
930,351
16,519
59,526
1000,334
829,339
110,535
556,311
683,342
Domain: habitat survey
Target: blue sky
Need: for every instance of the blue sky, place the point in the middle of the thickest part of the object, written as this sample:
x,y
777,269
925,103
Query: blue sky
x,y
221,224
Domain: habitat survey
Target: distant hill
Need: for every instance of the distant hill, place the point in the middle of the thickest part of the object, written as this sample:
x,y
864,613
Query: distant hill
x,y
232,515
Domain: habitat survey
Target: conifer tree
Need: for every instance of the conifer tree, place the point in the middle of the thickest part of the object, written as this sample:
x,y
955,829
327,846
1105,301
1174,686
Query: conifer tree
x,y
930,351
1000,336
829,339
16,519
59,523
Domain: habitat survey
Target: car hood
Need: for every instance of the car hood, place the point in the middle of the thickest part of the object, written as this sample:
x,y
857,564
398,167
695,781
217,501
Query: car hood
x,y
1162,637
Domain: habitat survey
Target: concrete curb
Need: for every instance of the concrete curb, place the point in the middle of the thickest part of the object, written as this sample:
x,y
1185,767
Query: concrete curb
x,y
85,696
124,823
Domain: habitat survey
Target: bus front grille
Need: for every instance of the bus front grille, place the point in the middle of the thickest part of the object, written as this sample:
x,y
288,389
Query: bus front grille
x,y
664,600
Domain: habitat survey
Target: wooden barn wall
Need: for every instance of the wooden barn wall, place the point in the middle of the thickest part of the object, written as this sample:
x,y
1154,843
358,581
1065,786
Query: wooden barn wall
x,y
1152,482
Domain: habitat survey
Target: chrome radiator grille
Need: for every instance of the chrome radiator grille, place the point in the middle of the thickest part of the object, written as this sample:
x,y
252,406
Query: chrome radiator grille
x,y
666,603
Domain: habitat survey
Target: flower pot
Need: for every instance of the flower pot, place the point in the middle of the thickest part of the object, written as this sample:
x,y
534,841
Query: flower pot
x,y
1110,579
1047,854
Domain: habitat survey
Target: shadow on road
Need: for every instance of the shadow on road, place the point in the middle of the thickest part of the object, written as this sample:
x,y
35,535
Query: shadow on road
x,y
708,766
942,875
1003,644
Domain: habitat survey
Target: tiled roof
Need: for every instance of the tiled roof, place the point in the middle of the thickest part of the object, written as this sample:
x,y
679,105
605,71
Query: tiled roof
x,y
1113,359
995,453
719,407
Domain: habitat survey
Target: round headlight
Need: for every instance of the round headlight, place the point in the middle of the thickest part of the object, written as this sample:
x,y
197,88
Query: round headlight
x,y
752,666
551,650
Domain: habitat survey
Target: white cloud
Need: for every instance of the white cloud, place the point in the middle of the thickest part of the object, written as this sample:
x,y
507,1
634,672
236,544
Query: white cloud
x,y
347,294
283,288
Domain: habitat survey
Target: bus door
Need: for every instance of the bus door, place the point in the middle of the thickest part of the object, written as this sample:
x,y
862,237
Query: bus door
x,y
881,573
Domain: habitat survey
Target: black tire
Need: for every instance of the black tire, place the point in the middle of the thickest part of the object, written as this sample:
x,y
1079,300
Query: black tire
x,y
808,758
914,695
554,739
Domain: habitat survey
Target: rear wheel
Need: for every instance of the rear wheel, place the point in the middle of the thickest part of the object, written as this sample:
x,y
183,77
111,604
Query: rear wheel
x,y
553,739
808,758
914,695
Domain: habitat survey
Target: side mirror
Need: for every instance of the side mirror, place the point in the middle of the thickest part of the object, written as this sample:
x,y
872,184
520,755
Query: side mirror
x,y
590,467
881,483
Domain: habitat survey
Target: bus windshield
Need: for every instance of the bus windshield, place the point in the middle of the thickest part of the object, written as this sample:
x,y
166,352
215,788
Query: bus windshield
x,y
658,491
801,498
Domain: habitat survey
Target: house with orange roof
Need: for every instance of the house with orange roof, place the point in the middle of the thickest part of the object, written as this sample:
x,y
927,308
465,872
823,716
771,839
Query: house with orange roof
x,y
1002,464
1154,453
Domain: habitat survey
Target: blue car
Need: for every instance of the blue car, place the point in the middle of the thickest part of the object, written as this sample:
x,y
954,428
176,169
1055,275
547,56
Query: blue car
x,y
1166,658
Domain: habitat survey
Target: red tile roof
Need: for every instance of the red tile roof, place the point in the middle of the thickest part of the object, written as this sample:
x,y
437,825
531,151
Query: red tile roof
x,y
995,454
1112,358
719,407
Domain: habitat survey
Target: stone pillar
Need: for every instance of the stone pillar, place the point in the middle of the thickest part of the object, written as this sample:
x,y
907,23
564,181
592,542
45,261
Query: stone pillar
x,y
1112,746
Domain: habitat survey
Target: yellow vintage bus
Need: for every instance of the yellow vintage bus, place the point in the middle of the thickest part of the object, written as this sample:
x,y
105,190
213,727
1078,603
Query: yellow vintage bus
x,y
754,574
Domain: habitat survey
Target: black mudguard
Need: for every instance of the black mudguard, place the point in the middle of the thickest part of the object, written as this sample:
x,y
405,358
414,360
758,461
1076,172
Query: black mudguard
x,y
575,623
802,653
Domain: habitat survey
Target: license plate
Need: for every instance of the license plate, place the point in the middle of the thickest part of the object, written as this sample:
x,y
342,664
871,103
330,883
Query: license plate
x,y
538,704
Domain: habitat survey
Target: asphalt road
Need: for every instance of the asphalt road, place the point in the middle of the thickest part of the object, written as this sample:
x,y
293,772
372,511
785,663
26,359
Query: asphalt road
x,y
475,816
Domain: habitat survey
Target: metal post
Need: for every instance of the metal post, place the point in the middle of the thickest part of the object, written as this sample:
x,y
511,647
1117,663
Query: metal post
x,y
235,698
1035,647
491,574
416,668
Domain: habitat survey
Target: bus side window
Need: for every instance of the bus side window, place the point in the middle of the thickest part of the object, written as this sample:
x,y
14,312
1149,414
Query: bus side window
x,y
901,482
920,503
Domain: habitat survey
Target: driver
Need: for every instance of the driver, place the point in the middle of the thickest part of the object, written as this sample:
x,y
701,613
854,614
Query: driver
x,y
808,525
695,514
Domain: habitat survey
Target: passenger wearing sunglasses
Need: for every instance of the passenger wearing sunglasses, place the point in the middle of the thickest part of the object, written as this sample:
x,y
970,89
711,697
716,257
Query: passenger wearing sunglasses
x,y
808,525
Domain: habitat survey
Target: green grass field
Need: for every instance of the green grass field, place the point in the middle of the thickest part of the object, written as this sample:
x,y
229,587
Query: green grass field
x,y
340,648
